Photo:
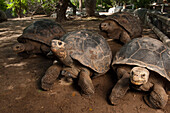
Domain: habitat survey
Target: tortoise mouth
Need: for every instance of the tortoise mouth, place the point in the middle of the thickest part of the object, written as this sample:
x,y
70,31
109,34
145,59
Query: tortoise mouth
x,y
139,82
54,50
61,53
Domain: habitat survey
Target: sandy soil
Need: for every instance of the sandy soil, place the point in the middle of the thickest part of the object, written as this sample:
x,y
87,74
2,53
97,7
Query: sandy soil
x,y
20,79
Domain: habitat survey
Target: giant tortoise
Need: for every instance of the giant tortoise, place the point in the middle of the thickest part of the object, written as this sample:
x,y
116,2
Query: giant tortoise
x,y
3,16
81,54
36,37
143,64
122,26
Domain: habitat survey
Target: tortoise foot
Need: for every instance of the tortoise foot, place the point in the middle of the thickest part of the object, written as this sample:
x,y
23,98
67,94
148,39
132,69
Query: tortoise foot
x,y
157,98
50,76
86,86
88,91
46,86
113,100
120,89
85,82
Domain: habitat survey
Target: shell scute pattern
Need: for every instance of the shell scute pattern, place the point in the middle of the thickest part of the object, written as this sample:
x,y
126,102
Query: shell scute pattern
x,y
125,20
90,49
42,31
145,52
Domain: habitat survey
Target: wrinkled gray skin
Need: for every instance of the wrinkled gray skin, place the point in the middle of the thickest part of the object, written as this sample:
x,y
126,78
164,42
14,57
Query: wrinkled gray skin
x,y
152,60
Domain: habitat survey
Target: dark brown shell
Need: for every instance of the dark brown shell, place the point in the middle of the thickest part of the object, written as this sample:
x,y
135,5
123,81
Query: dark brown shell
x,y
42,31
90,49
128,22
146,52
3,16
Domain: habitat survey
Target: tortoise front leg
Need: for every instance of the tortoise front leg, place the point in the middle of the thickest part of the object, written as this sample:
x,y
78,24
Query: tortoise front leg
x,y
125,38
44,49
50,76
85,82
121,87
115,34
157,98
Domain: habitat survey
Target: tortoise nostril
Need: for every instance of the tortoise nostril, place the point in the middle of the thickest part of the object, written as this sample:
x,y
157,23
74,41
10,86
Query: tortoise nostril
x,y
17,47
103,25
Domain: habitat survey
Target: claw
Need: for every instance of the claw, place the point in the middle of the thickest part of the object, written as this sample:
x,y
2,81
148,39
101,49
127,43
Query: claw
x,y
63,72
66,74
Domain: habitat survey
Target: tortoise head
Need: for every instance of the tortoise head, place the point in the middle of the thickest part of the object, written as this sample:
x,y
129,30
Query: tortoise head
x,y
139,75
19,47
108,25
58,48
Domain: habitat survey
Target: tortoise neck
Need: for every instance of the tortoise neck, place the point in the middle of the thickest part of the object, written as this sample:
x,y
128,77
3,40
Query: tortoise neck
x,y
66,59
28,47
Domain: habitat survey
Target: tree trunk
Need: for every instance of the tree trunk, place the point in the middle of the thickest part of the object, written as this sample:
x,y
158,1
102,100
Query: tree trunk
x,y
61,10
80,5
73,6
90,7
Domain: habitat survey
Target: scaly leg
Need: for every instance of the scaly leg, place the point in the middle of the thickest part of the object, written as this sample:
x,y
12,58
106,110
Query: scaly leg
x,y
121,87
85,82
125,38
50,76
157,98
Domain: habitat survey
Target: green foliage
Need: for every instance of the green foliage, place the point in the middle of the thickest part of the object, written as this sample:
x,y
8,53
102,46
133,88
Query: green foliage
x,y
75,3
49,6
103,4
142,3
21,7
3,5
18,6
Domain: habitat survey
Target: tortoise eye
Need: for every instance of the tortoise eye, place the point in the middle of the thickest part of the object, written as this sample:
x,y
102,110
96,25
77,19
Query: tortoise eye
x,y
143,75
59,43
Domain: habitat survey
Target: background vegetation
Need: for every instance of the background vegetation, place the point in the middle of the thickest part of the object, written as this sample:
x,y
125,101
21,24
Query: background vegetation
x,y
30,7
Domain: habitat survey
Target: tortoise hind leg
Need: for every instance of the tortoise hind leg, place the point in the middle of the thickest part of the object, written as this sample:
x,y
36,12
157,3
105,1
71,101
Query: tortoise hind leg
x,y
157,98
50,76
85,82
121,87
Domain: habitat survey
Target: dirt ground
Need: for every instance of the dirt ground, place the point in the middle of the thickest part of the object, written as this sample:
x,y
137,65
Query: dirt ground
x,y
20,90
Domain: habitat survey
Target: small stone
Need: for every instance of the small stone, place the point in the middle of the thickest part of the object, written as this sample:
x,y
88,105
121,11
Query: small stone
x,y
74,94
159,111
90,109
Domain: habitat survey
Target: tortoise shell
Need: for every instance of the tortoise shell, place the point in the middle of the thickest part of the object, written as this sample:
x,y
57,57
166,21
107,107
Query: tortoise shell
x,y
3,16
141,13
90,49
145,52
42,31
130,23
